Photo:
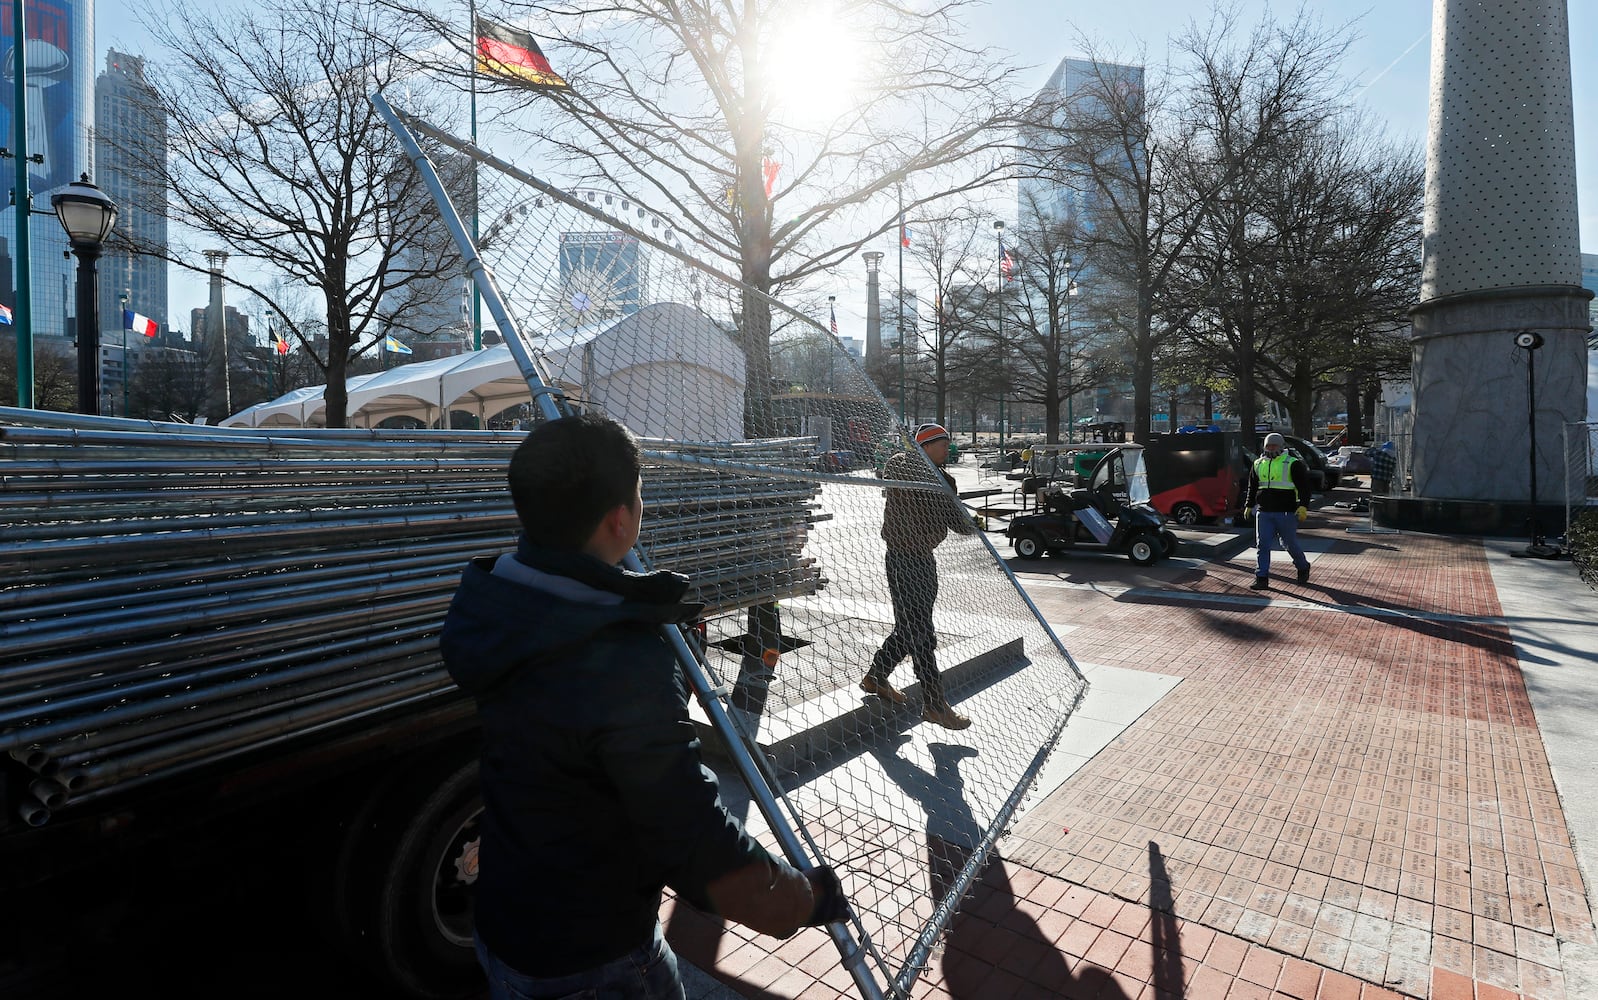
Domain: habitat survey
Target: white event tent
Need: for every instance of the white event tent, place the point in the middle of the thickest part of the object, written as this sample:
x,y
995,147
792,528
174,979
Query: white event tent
x,y
666,371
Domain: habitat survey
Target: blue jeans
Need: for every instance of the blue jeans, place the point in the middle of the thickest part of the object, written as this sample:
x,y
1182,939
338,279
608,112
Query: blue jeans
x,y
1268,526
648,972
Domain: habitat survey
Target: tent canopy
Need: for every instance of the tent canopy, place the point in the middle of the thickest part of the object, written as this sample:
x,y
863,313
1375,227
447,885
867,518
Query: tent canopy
x,y
665,371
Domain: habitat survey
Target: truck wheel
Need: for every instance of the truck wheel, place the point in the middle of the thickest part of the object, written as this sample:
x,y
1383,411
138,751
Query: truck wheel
x,y
1144,548
1028,545
1186,513
408,878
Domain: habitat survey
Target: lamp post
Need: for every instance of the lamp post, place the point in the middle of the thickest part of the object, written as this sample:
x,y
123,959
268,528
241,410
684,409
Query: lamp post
x,y
832,309
87,215
1070,371
122,300
1529,341
998,230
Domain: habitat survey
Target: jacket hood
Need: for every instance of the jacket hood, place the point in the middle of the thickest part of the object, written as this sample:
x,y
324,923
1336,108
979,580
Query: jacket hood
x,y
497,624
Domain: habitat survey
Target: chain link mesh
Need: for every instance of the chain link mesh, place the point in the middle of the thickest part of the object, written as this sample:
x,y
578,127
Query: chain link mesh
x,y
792,451
1581,470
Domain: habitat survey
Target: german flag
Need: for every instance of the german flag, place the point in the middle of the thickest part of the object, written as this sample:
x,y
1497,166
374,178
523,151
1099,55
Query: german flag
x,y
506,52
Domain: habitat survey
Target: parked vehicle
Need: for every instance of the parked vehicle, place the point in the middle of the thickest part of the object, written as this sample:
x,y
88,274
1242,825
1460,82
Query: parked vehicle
x,y
1111,514
1197,477
1193,478
1323,475
1351,459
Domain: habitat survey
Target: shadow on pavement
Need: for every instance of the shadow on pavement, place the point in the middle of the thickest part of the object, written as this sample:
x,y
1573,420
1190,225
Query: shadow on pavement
x,y
990,920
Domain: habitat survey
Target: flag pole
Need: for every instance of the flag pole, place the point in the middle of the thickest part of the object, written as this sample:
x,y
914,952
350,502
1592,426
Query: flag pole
x,y
903,235
477,299
998,227
24,203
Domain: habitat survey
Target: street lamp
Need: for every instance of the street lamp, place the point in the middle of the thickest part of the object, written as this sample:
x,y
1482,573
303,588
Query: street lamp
x,y
832,309
122,300
87,215
1070,371
1529,341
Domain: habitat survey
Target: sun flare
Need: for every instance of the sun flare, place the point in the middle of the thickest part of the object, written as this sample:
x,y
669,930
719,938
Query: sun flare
x,y
813,66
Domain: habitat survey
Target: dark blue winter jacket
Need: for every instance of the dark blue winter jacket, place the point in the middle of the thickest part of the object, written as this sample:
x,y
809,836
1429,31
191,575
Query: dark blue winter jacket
x,y
594,792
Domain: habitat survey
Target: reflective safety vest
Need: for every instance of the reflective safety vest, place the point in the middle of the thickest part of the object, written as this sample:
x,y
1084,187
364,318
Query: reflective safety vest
x,y
1275,473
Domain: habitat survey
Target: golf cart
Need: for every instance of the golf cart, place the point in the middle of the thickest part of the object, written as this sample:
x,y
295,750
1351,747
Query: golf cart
x,y
1112,514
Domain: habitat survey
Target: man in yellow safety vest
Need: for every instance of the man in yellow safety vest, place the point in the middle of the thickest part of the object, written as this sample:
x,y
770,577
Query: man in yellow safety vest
x,y
1278,497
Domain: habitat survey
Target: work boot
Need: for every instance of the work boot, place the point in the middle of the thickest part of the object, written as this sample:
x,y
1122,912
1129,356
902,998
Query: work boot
x,y
1260,583
945,716
1303,573
882,689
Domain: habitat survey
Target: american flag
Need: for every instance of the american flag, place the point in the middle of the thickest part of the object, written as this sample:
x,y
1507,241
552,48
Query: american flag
x,y
834,319
1006,264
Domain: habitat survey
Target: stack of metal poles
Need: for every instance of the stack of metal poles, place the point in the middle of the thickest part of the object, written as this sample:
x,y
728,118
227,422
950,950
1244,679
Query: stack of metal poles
x,y
175,597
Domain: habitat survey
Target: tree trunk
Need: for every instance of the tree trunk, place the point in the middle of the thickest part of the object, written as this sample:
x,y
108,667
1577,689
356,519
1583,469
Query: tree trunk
x,y
1142,388
1247,413
1354,425
1302,401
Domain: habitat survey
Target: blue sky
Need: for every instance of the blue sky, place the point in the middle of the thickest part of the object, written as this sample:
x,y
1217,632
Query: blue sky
x,y
1388,64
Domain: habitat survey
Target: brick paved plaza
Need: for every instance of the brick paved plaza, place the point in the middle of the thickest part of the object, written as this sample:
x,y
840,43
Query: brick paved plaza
x,y
1346,793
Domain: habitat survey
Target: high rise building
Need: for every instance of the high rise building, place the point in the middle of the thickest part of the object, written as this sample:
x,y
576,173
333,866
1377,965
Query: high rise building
x,y
906,308
1058,186
237,324
430,308
59,106
1052,185
125,112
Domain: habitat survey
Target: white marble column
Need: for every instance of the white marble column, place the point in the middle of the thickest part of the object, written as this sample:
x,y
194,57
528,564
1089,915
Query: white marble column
x,y
1502,254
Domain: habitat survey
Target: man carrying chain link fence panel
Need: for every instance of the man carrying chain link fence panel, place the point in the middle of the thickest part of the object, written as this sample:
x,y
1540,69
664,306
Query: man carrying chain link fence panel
x,y
914,523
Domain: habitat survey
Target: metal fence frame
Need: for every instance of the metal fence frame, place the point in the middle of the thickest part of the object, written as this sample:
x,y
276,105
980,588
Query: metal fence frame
x,y
797,843
1581,470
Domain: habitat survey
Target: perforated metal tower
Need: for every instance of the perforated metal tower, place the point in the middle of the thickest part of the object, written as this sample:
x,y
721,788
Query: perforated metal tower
x,y
1502,254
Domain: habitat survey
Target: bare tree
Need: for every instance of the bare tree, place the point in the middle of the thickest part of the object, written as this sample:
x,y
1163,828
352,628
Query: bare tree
x,y
1305,272
952,250
275,153
1048,335
673,103
168,384
1155,162
1344,215
55,375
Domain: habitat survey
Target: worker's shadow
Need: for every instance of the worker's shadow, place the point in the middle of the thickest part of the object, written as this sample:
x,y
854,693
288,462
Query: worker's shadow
x,y
952,834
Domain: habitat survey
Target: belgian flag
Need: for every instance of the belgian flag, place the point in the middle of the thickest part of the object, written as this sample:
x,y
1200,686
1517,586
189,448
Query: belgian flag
x,y
506,52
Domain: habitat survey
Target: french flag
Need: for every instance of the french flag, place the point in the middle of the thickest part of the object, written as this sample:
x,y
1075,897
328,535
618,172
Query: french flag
x,y
139,324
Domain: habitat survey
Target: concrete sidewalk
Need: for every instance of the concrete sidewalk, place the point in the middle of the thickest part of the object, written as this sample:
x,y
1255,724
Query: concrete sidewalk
x,y
1378,783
